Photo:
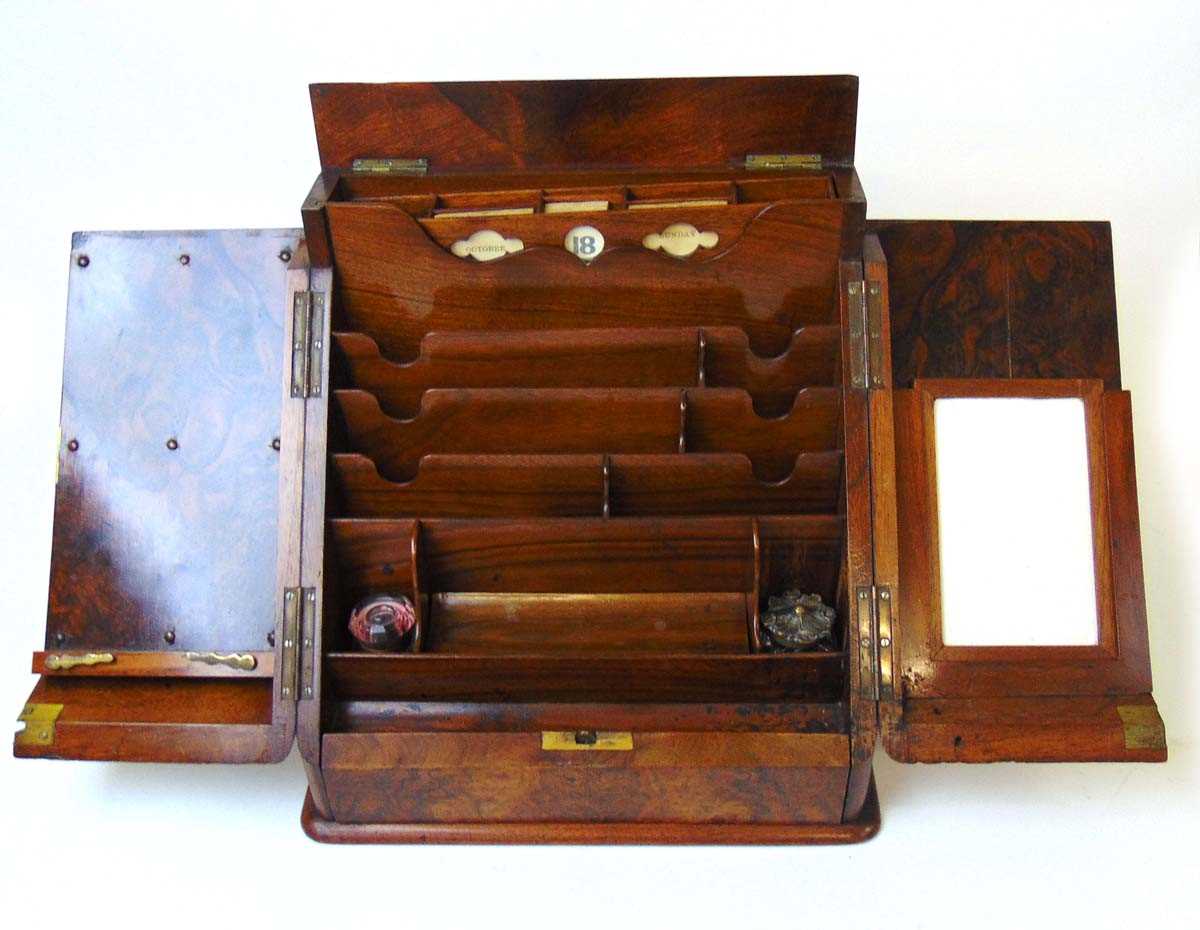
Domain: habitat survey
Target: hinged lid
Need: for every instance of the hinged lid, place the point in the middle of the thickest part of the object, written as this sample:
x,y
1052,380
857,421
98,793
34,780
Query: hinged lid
x,y
161,630
510,126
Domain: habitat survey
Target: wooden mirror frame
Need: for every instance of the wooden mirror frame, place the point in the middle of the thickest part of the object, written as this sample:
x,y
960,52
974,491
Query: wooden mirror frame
x,y
1119,662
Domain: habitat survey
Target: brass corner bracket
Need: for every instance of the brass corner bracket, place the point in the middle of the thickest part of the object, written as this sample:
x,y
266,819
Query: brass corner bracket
x,y
39,722
1143,726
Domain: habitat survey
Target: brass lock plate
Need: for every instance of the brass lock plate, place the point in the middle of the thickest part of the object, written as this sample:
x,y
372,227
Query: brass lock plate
x,y
586,740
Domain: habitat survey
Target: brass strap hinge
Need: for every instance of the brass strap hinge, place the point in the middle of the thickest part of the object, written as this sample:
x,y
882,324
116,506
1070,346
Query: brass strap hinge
x,y
866,334
411,166
876,619
308,342
782,162
298,654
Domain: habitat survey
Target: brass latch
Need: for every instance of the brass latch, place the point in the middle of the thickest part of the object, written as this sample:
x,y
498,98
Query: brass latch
x,y
39,722
586,740
411,166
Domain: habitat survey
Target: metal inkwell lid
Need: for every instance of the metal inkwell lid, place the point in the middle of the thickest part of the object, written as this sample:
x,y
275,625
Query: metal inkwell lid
x,y
797,622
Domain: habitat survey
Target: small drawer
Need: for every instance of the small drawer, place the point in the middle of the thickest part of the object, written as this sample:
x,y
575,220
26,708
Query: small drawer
x,y
531,777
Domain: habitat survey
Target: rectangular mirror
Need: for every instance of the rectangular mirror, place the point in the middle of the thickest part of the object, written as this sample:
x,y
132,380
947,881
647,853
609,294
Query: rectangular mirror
x,y
1014,516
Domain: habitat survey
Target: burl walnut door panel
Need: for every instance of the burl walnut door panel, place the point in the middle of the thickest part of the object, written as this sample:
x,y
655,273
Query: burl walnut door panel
x,y
160,630
1044,655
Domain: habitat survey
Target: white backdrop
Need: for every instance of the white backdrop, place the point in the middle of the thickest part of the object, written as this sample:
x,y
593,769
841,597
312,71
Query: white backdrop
x,y
190,116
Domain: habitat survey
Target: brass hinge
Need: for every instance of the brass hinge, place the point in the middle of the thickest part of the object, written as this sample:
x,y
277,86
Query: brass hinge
x,y
410,166
866,334
308,328
875,366
39,720
782,162
298,655
308,633
876,616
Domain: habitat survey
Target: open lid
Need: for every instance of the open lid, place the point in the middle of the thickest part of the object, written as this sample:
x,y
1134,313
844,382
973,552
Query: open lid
x,y
160,634
512,126
1017,611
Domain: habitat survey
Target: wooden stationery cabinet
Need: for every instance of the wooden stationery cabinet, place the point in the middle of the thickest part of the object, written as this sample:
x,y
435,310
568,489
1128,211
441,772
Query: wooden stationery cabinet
x,y
595,374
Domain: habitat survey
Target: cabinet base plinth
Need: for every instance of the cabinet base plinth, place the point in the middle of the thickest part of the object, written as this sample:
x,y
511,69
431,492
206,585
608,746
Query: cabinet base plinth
x,y
650,834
